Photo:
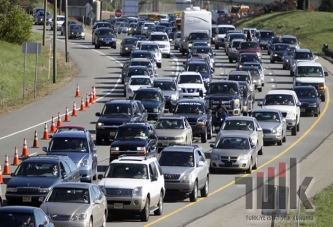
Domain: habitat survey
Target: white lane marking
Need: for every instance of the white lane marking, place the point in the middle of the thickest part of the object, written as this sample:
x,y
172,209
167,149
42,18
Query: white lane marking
x,y
42,123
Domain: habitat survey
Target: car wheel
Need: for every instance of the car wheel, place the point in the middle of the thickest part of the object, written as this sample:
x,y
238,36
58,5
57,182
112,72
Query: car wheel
x,y
159,211
255,166
105,217
90,223
61,33
249,170
168,55
144,215
279,143
210,133
216,47
294,131
261,152
244,113
283,67
205,190
194,193
272,61
323,98
298,126
98,140
230,60
204,137
260,89
317,113
96,47
284,138
95,175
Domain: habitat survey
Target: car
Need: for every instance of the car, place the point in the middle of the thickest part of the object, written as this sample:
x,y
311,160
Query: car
x,y
290,40
246,57
231,35
271,42
244,125
136,70
136,82
185,170
234,151
104,37
201,66
76,204
201,52
191,84
39,18
36,175
80,147
144,54
162,39
76,31
122,28
144,27
198,115
154,48
173,130
250,47
177,39
263,37
212,38
277,52
287,57
114,114
298,56
153,100
232,50
170,90
194,36
127,45
132,27
261,69
151,65
287,102
240,75
310,100
60,21
100,24
24,216
62,29
255,76
221,31
273,125
171,32
134,184
69,128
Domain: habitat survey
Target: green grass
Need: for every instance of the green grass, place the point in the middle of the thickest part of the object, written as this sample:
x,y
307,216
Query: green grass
x,y
312,29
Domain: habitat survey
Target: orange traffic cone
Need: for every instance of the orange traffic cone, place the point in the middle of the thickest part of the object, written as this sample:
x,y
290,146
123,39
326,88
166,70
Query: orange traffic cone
x,y
59,123
53,126
74,112
94,91
87,101
77,93
82,108
1,179
66,115
6,170
91,97
35,145
46,133
16,160
25,151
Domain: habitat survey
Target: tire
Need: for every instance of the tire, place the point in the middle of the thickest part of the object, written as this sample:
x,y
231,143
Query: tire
x,y
249,170
283,67
205,190
96,46
210,133
216,47
272,61
168,55
255,166
260,89
194,193
284,139
90,223
144,215
261,152
279,143
294,131
298,126
204,137
95,176
159,211
230,60
98,140
323,98
105,217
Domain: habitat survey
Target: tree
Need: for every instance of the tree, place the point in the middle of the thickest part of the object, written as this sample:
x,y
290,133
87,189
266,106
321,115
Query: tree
x,y
326,5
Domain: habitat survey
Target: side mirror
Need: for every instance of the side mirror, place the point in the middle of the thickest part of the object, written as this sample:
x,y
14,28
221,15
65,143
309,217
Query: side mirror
x,y
212,145
44,149
184,63
63,174
259,129
298,103
153,178
201,94
153,137
200,163
97,201
100,176
97,114
41,199
326,73
260,103
209,111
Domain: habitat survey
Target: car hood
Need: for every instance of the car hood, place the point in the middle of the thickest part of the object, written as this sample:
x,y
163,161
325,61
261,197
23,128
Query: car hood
x,y
249,51
268,125
136,87
77,157
107,36
307,100
189,85
176,170
40,182
64,208
309,79
168,93
117,120
280,107
169,132
221,97
279,52
190,117
221,36
229,152
151,104
134,142
121,183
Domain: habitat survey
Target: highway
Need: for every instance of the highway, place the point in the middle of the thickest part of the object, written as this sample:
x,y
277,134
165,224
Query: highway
x,y
102,68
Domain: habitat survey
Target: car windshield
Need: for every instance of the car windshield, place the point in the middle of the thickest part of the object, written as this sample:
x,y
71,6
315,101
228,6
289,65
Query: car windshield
x,y
227,88
238,125
166,86
248,57
127,133
233,143
147,96
286,100
235,44
190,79
224,30
266,35
144,63
189,107
306,93
103,25
170,124
289,51
69,195
62,129
136,72
31,169
199,50
121,110
126,170
256,65
309,71
280,47
303,55
149,47
130,41
141,55
16,218
60,18
160,29
202,68
76,26
288,40
176,158
239,77
106,32
198,36
267,116
236,36
248,45
139,81
68,144
159,38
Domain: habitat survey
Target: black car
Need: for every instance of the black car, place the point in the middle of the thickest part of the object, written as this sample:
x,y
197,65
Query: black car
x,y
203,67
143,54
116,113
100,24
134,139
62,30
136,70
105,37
153,101
140,37
264,36
34,177
277,52
39,19
198,115
271,42
76,31
12,216
127,45
310,100
246,57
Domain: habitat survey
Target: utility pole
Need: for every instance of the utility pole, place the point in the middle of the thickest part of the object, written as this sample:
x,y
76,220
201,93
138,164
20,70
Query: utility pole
x,y
55,43
66,31
60,8
44,24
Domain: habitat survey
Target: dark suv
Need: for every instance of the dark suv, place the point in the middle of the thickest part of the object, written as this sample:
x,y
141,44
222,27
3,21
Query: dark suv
x,y
153,101
134,139
34,177
116,113
104,37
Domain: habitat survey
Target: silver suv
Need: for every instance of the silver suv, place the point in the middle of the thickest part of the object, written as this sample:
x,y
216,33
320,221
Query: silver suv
x,y
170,91
134,183
186,170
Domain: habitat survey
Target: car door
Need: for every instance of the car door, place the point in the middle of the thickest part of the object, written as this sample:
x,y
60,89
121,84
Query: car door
x,y
260,133
200,171
93,151
74,170
97,209
64,167
155,188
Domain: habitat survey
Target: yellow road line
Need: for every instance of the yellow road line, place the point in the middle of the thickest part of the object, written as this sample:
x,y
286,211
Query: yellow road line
x,y
260,167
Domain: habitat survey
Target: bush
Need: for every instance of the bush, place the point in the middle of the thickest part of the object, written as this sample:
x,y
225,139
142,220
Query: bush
x,y
326,5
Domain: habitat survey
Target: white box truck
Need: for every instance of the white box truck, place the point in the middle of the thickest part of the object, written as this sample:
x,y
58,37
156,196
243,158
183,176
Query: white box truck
x,y
194,19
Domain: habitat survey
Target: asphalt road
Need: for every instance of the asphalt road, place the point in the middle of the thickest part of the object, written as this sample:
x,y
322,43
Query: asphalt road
x,y
102,68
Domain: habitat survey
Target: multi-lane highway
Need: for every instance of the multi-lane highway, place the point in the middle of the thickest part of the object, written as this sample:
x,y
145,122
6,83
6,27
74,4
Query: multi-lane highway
x,y
102,68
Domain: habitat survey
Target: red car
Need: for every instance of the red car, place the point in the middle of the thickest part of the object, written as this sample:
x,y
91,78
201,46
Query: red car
x,y
69,128
249,47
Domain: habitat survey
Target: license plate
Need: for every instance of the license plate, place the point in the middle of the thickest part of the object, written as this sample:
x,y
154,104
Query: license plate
x,y
118,205
190,97
164,144
27,199
107,42
228,164
302,109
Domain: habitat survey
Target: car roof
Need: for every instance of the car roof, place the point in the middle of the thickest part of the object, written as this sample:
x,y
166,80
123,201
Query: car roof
x,y
308,63
199,31
158,33
281,92
140,76
189,73
279,44
248,53
26,209
171,117
80,185
191,101
78,134
303,50
237,40
304,87
225,26
248,67
265,110
178,148
134,159
224,82
287,36
45,158
119,101
137,67
238,72
234,134
71,126
155,89
240,118
140,59
197,61
131,37
169,79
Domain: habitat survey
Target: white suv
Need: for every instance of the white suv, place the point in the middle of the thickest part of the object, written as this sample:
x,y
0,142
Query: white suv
x,y
60,21
134,183
162,39
287,102
154,48
191,83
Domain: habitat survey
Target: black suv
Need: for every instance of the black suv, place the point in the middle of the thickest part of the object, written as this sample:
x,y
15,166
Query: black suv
x,y
134,139
116,113
104,37
153,101
198,115
34,177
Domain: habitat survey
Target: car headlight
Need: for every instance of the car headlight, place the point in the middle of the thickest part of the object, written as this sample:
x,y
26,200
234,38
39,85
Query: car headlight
x,y
208,44
201,123
312,104
173,96
244,157
291,114
186,179
102,189
101,39
236,102
72,33
43,190
85,162
259,54
287,60
100,124
82,33
275,55
214,156
321,87
140,148
79,217
114,148
137,191
126,48
179,137
11,189
190,45
156,110
240,66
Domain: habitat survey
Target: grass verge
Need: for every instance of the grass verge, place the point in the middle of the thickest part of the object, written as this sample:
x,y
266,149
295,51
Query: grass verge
x,y
311,28
12,74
